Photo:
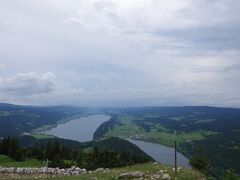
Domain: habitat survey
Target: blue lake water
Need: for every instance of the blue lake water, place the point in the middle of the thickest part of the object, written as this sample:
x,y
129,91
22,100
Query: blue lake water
x,y
82,129
161,153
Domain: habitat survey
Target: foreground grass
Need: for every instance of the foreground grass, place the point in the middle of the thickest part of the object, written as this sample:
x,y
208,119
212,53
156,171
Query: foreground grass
x,y
148,169
6,161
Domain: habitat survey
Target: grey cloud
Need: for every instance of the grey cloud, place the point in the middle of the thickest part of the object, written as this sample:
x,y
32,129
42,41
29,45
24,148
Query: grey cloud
x,y
227,69
120,52
2,66
27,84
208,38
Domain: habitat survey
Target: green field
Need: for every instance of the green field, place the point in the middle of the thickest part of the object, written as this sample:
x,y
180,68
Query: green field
x,y
6,161
41,136
157,133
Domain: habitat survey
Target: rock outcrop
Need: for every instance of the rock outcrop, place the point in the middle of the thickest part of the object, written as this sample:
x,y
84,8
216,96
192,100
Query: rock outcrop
x,y
43,171
136,174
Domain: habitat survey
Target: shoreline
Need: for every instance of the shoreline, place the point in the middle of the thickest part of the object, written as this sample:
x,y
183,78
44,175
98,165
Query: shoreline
x,y
44,129
62,121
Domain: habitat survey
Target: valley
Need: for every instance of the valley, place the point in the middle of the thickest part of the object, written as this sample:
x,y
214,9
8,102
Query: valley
x,y
216,130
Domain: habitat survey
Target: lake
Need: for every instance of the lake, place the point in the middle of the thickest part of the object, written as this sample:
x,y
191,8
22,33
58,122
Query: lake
x,y
81,129
161,153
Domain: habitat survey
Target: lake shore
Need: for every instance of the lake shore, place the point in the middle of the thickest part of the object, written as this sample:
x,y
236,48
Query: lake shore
x,y
79,129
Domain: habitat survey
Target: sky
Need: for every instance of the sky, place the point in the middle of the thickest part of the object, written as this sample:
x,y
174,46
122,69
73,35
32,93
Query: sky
x,y
120,52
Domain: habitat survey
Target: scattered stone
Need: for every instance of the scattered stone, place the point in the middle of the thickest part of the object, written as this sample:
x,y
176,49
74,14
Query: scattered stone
x,y
43,171
99,170
156,176
160,172
178,169
166,177
123,175
136,174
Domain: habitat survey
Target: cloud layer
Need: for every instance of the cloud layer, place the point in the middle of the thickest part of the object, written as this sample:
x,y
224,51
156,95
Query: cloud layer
x,y
27,84
120,53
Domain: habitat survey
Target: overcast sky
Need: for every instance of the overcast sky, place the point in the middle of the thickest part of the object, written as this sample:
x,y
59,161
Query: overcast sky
x,y
120,52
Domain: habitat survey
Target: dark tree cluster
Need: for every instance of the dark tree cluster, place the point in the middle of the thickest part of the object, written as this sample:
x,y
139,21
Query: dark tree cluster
x,y
105,158
10,147
199,161
61,156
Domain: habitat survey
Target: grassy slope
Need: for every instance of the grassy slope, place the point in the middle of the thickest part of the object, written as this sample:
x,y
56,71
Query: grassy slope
x,y
41,136
148,169
6,161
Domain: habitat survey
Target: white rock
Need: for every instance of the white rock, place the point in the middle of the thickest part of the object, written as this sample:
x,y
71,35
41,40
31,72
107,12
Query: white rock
x,y
44,170
133,174
99,170
137,174
66,174
75,173
160,172
125,175
83,171
19,170
156,176
166,177
179,168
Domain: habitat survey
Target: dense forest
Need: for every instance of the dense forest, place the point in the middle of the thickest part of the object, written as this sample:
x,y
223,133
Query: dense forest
x,y
64,153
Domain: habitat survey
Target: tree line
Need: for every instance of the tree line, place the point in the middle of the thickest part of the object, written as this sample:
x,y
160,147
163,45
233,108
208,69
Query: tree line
x,y
61,156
